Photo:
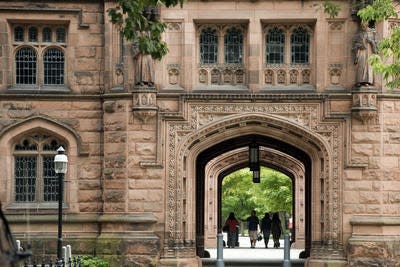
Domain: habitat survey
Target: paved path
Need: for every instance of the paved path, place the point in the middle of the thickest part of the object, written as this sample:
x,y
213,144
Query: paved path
x,y
260,252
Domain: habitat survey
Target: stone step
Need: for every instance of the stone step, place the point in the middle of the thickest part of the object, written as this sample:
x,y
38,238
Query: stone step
x,y
253,263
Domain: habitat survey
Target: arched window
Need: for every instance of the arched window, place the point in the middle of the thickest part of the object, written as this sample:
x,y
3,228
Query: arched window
x,y
35,179
60,35
233,44
53,60
39,58
275,46
46,34
33,34
300,43
25,66
208,46
18,34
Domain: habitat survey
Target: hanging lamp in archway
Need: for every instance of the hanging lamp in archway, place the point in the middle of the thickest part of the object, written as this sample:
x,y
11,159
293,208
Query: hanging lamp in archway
x,y
254,161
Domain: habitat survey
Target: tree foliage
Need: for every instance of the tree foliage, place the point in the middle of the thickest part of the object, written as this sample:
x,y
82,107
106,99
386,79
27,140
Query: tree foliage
x,y
332,9
139,22
387,61
241,195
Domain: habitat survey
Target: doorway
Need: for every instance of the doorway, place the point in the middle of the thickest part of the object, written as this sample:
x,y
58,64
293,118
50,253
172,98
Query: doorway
x,y
240,143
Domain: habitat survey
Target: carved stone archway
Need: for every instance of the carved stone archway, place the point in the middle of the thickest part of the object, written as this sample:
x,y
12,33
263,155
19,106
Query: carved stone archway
x,y
299,125
234,160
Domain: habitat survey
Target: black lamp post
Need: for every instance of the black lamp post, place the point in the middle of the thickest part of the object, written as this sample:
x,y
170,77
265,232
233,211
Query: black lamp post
x,y
60,167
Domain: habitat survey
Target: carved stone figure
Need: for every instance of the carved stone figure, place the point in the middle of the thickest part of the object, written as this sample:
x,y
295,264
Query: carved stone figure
x,y
364,45
144,69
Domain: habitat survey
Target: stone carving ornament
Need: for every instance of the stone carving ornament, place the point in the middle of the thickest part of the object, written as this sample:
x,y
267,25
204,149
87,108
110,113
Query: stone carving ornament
x,y
183,135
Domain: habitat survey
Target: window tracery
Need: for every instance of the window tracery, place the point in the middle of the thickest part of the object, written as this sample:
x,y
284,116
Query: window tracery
x,y
39,60
216,68
287,55
34,176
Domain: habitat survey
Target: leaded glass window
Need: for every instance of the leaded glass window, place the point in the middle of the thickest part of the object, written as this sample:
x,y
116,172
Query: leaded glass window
x,y
275,46
18,34
42,63
25,178
233,44
35,179
300,42
25,66
33,34
46,34
60,32
53,66
208,46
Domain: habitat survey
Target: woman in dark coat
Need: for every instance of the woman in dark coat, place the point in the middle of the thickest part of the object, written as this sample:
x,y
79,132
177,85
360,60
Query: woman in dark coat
x,y
266,228
276,229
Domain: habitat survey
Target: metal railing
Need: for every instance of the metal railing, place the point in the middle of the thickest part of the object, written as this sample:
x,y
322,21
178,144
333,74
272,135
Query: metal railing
x,y
71,262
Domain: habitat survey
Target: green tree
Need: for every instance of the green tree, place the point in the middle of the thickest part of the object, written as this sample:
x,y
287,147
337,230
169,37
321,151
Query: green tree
x,y
135,17
387,62
241,195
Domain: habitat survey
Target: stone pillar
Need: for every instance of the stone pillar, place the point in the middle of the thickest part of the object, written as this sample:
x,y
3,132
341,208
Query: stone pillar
x,y
364,103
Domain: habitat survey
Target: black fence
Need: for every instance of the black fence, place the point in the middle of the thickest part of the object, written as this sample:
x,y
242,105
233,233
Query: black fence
x,y
72,262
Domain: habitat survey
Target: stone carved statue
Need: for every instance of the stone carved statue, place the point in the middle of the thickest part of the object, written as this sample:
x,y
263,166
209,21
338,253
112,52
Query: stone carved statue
x,y
144,68
364,45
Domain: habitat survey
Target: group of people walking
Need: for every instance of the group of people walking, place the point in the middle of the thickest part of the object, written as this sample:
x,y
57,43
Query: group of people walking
x,y
267,226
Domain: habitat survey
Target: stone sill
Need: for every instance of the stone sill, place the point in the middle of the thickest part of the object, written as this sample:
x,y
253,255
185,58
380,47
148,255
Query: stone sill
x,y
375,226
85,218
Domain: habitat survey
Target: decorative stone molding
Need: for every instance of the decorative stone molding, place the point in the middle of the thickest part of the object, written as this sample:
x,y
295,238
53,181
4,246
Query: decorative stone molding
x,y
119,75
174,76
221,74
285,75
144,103
40,9
175,26
364,105
335,73
335,24
295,121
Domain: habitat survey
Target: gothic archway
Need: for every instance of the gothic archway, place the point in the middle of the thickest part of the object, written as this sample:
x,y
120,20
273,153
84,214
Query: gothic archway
x,y
244,141
208,132
221,166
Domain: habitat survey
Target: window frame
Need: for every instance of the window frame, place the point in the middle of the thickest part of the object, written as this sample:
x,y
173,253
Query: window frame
x,y
40,46
283,75
221,73
40,153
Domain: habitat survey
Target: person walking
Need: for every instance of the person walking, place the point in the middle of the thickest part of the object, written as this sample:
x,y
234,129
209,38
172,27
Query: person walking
x,y
252,223
266,228
233,225
276,229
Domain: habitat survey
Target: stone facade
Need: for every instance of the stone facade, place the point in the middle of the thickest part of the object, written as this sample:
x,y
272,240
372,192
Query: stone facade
x,y
146,163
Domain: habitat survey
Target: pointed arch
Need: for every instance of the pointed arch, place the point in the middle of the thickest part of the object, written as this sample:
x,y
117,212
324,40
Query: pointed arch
x,y
316,147
42,125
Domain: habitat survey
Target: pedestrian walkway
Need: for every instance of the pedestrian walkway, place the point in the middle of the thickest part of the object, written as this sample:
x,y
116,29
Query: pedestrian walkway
x,y
260,252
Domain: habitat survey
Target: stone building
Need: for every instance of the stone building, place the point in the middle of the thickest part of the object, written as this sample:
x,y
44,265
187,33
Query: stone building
x,y
146,160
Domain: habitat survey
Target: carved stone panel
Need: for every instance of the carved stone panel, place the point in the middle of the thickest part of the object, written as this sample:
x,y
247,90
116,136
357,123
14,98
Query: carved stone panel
x,y
213,120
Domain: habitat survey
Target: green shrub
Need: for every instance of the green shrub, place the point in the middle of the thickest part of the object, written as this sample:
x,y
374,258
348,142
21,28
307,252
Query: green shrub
x,y
90,261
